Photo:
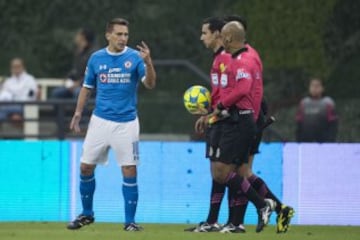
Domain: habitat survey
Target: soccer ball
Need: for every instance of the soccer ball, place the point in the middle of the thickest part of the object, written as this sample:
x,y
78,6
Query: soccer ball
x,y
197,100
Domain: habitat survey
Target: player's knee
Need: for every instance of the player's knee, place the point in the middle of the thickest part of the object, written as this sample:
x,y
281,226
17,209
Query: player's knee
x,y
129,171
87,169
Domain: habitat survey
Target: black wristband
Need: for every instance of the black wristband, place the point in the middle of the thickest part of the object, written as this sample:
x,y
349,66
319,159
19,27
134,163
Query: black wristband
x,y
220,106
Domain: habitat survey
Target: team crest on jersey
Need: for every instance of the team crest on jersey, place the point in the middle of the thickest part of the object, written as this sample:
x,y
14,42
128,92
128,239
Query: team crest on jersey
x,y
241,73
103,77
128,64
222,67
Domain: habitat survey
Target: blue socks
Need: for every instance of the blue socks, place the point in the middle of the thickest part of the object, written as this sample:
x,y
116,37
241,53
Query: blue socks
x,y
87,188
130,192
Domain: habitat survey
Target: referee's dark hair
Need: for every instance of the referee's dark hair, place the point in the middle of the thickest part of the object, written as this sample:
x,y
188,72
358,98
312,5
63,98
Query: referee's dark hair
x,y
116,21
236,18
215,23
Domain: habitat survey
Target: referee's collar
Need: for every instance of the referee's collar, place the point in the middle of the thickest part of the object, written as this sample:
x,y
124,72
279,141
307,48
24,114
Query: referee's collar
x,y
217,52
238,52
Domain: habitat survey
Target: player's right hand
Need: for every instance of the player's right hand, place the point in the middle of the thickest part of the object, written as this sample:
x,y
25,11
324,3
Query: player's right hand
x,y
75,123
144,52
201,124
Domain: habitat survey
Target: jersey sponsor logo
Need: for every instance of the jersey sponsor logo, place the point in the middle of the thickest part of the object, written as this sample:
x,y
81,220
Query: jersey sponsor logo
x,y
111,70
128,64
222,67
115,77
215,79
102,67
224,80
241,73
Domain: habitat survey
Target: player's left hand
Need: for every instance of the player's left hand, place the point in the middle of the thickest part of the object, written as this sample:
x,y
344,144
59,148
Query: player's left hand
x,y
144,52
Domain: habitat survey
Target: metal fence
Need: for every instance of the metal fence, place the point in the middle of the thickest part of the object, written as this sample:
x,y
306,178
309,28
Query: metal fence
x,y
41,120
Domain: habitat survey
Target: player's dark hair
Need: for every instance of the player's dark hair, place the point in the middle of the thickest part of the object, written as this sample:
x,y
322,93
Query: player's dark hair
x,y
215,23
88,34
236,18
116,21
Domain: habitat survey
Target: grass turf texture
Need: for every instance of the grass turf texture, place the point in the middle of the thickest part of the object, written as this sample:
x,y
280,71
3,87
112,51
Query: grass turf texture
x,y
104,231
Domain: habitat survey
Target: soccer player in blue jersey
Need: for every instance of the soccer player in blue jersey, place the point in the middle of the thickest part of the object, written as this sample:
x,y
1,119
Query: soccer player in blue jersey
x,y
115,73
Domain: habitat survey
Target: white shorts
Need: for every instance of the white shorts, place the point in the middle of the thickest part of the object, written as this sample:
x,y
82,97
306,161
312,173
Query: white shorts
x,y
102,134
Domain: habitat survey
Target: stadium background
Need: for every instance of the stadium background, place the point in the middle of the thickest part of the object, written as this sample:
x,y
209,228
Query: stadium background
x,y
296,39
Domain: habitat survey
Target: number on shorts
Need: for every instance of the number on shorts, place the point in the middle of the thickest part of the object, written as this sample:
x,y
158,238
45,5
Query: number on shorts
x,y
136,150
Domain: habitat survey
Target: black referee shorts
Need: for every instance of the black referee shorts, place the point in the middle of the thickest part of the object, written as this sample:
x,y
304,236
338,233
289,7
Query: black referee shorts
x,y
212,138
254,149
230,140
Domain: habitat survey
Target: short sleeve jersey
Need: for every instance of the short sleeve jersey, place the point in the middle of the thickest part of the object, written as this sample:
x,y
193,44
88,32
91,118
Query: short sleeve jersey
x,y
116,77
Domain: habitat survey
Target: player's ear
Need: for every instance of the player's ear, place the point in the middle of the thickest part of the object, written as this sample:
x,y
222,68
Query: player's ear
x,y
226,39
107,36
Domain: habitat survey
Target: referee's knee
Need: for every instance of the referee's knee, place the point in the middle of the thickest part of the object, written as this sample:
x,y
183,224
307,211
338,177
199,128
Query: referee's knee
x,y
220,176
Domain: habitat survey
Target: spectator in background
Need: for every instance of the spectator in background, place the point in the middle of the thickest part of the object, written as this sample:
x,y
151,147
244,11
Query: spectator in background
x,y
21,86
84,46
316,118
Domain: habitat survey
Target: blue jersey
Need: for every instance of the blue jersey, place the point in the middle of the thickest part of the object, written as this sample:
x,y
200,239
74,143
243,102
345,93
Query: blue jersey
x,y
116,77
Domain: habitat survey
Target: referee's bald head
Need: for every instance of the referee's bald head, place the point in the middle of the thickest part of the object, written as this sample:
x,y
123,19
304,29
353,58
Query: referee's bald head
x,y
235,31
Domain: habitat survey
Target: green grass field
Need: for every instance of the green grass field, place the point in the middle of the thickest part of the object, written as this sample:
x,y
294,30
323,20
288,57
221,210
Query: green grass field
x,y
104,231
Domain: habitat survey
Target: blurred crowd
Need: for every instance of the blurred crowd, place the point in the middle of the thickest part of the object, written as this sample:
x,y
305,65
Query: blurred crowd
x,y
21,86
